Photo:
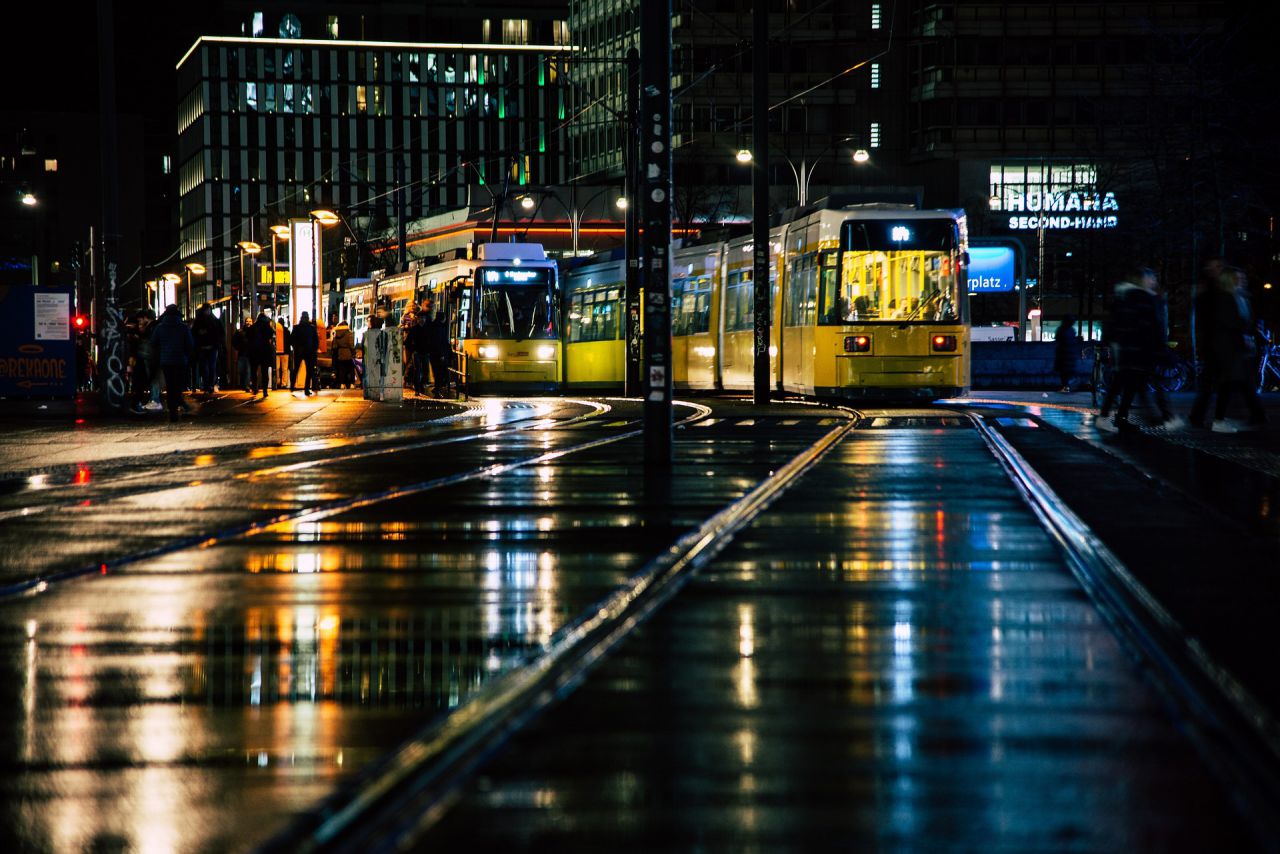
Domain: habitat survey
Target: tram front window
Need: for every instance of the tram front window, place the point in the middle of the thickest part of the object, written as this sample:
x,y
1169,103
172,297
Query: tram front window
x,y
891,272
516,303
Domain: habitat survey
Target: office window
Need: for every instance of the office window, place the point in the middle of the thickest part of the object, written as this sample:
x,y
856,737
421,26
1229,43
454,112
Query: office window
x,y
875,16
873,138
333,26
166,165
875,75
258,26
52,165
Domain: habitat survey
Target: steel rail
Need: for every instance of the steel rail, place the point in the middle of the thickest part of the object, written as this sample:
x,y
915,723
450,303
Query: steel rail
x,y
1232,731
396,801
39,584
489,432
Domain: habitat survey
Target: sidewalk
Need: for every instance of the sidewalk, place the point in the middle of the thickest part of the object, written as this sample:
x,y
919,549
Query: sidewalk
x,y
228,418
1257,450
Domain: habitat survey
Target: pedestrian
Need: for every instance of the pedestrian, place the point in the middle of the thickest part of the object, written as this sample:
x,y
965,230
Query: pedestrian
x,y
1136,333
284,353
343,347
1225,347
417,356
208,333
141,350
1066,351
174,346
244,368
262,351
438,351
306,346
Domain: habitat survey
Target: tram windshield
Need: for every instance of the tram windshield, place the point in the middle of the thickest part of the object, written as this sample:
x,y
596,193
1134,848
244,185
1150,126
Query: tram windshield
x,y
892,271
516,303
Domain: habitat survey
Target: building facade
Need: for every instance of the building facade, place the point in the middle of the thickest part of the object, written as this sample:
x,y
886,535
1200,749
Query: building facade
x,y
271,128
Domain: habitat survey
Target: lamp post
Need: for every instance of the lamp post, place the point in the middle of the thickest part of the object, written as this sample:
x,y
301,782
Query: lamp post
x,y
247,247
198,269
804,173
278,233
576,213
324,218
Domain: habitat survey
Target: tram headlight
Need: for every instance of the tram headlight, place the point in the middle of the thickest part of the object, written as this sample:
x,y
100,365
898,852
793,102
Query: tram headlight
x,y
546,351
857,343
488,351
944,343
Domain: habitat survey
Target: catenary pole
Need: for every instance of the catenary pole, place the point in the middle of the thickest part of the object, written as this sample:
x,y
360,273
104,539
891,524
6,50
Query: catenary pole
x,y
655,135
760,194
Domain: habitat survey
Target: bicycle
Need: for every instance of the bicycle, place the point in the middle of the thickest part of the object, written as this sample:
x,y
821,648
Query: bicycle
x,y
1173,373
1269,366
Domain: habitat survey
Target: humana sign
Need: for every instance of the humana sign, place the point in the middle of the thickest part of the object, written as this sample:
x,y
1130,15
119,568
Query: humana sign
x,y
1083,210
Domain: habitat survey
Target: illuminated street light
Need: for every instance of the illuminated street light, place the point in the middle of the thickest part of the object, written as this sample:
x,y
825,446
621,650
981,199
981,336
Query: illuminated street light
x,y
325,217
527,203
861,156
621,203
198,269
744,155
278,233
246,247
29,199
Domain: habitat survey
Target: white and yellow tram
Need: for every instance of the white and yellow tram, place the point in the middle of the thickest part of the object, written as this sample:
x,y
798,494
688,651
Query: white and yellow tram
x,y
868,301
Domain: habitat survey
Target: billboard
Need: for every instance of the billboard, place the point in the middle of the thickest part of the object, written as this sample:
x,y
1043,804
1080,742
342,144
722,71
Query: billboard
x,y
991,269
304,264
37,350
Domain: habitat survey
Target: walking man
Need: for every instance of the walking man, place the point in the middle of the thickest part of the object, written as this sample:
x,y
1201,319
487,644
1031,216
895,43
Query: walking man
x,y
174,345
1138,339
306,347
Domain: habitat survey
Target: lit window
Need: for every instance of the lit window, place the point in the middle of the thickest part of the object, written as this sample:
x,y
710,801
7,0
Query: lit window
x,y
166,164
875,135
875,16
258,25
875,75
51,166
333,26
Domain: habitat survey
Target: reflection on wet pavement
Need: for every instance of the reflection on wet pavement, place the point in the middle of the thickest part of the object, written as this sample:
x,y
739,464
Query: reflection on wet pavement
x,y
197,699
894,656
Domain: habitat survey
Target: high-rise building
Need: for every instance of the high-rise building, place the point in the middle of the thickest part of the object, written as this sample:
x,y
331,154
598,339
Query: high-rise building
x,y
270,128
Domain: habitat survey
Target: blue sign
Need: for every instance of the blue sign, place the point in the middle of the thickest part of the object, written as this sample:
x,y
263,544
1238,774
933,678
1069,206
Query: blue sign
x,y
37,353
991,269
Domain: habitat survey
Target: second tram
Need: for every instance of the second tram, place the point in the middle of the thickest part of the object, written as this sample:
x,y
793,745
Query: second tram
x,y
868,301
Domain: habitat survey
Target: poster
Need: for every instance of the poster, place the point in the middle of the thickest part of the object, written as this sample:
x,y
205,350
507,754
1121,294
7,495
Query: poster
x,y
31,366
384,365
53,317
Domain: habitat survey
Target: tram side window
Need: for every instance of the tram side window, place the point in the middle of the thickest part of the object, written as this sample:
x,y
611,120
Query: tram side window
x,y
739,302
802,291
691,305
899,286
593,315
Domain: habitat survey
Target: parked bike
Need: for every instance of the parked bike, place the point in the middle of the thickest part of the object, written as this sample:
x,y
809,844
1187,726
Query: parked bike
x,y
1174,373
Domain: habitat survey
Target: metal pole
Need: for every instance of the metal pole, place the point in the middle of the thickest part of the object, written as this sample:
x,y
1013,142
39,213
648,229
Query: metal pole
x,y
190,313
655,50
632,387
402,227
760,195
112,356
275,278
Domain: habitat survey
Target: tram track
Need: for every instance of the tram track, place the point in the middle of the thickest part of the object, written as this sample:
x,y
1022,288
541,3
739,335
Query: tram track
x,y
252,468
324,509
406,794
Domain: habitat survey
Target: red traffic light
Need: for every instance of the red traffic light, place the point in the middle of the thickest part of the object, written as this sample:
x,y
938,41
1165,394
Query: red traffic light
x,y
80,322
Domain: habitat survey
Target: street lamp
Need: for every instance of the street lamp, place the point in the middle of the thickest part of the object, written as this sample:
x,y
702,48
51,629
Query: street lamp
x,y
804,174
198,269
247,247
278,233
29,199
324,218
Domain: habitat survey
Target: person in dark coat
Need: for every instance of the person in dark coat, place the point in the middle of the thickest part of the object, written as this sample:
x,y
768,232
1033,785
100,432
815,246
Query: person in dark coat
x,y
438,351
1136,334
1066,350
174,346
1225,347
306,347
262,354
415,345
343,347
284,353
208,333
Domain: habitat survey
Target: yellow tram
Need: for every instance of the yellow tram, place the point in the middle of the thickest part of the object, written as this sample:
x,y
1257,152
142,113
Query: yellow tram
x,y
502,309
867,301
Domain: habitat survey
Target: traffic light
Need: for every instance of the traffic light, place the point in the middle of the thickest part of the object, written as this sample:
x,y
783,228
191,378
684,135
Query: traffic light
x,y
79,322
